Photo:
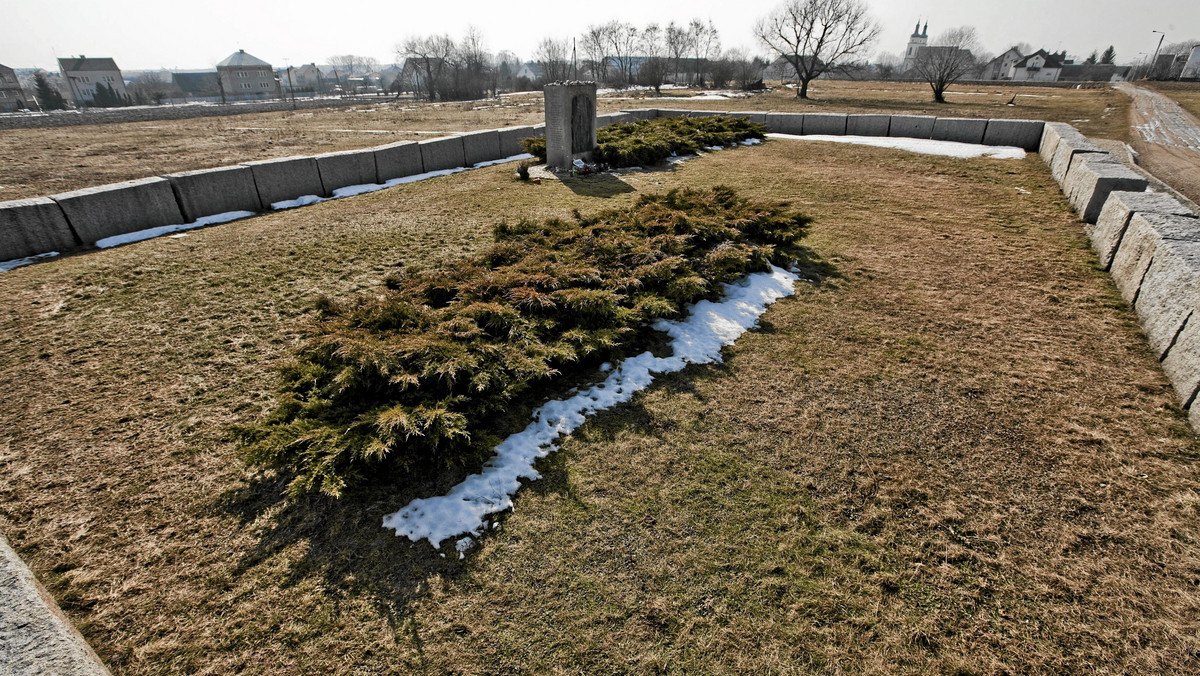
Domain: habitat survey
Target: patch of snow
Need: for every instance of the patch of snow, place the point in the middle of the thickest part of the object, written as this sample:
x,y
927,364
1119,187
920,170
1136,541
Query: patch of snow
x,y
302,201
361,131
150,233
918,145
5,266
698,339
752,141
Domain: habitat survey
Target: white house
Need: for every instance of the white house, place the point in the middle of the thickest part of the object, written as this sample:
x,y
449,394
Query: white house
x,y
1191,69
1000,67
244,76
83,75
1038,67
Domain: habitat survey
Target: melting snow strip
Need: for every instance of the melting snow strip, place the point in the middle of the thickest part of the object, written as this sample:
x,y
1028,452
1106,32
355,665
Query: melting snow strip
x,y
150,233
917,145
698,339
5,266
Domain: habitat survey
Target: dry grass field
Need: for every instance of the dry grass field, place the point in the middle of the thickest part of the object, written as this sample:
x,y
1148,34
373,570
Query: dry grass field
x,y
954,453
1186,94
37,162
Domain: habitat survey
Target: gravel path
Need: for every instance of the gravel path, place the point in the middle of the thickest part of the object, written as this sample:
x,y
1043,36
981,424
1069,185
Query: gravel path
x,y
1167,138
35,637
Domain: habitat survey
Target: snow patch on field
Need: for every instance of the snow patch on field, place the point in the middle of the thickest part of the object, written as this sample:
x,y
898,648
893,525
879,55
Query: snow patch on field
x,y
5,266
150,233
918,145
698,339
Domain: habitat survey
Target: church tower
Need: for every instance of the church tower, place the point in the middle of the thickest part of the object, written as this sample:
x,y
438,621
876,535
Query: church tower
x,y
918,40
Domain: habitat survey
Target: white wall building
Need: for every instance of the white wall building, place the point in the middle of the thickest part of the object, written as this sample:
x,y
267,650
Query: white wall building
x,y
83,75
919,39
1191,69
1037,67
244,76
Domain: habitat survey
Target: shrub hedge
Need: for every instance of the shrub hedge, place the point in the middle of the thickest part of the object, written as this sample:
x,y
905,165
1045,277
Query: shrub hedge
x,y
416,376
633,144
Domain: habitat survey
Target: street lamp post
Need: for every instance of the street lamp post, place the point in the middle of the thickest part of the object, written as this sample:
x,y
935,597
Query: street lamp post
x,y
1154,61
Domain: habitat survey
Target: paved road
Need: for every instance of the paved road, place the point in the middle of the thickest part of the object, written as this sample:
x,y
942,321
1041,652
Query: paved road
x,y
1167,138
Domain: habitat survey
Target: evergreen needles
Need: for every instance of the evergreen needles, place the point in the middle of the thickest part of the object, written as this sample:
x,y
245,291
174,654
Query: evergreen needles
x,y
649,142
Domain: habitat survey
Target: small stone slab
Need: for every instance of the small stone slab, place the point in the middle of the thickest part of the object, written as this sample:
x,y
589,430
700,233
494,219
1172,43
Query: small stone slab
x,y
868,125
510,139
785,123
912,126
1170,291
120,208
208,192
1026,134
481,146
286,178
348,167
33,226
1140,244
1109,229
1182,363
1052,133
959,129
829,124
1090,181
397,160
640,114
753,116
443,153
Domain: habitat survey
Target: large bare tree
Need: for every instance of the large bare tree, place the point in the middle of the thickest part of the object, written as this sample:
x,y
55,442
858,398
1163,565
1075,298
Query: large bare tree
x,y
552,56
815,35
430,56
947,60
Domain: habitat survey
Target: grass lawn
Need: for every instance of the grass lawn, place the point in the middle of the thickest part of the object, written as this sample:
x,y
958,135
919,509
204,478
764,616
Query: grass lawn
x,y
955,455
36,162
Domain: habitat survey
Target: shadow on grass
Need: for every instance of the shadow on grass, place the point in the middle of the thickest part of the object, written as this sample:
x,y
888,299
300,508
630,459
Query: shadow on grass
x,y
601,185
343,542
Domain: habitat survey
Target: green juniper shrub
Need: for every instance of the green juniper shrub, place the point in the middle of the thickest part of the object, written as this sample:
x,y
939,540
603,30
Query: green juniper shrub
x,y
633,144
414,377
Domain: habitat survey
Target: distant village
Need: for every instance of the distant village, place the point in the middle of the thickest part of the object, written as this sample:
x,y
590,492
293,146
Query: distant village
x,y
98,82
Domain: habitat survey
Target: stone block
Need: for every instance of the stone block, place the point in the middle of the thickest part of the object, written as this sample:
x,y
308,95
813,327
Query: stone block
x,y
120,208
1140,244
785,123
510,140
1091,180
570,122
674,112
1026,134
33,226
443,153
397,160
868,125
207,192
286,178
640,114
753,116
1052,132
481,146
912,126
347,167
1182,362
1067,153
959,129
613,118
1109,229
832,124
1170,292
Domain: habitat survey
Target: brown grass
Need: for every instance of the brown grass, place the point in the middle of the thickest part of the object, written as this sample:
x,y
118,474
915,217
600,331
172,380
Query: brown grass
x,y
1186,94
37,162
956,456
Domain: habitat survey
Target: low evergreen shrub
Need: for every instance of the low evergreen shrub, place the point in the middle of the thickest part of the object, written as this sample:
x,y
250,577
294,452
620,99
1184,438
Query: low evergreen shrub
x,y
415,377
647,142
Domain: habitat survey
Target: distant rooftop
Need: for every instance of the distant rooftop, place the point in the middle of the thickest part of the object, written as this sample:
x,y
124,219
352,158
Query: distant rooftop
x,y
240,59
83,63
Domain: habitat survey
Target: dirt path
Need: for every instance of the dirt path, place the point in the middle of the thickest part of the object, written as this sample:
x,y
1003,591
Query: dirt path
x,y
1167,138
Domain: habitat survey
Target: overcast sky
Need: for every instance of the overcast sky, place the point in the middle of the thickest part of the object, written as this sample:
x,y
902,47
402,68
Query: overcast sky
x,y
195,35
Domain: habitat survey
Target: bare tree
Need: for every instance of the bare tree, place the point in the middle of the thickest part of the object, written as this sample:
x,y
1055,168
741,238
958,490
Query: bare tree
x,y
814,35
947,60
705,43
622,42
653,46
429,56
595,51
678,45
552,56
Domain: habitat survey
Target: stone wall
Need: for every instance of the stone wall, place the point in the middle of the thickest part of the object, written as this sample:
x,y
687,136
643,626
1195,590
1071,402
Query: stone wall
x,y
71,118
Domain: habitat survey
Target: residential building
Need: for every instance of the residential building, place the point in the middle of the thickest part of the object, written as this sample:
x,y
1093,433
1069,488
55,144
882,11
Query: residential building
x,y
12,98
1094,72
84,74
1000,67
1191,68
1039,66
244,76
306,78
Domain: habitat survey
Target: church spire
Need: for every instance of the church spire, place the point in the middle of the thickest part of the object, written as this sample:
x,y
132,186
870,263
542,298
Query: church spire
x,y
917,29
925,32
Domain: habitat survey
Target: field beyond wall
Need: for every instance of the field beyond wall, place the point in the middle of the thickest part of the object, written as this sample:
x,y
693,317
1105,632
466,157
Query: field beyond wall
x,y
951,452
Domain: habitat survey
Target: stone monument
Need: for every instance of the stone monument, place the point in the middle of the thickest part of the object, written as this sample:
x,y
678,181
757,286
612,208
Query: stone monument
x,y
570,122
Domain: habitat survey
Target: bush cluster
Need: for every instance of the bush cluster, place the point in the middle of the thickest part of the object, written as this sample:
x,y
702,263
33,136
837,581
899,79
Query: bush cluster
x,y
633,144
416,376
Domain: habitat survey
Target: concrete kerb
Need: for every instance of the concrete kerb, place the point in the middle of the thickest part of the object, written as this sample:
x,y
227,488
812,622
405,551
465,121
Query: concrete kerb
x,y
959,129
397,160
443,153
1169,293
785,123
34,226
286,178
207,192
832,124
640,114
1139,245
347,167
755,117
1090,181
912,126
1106,234
120,208
35,636
1026,134
510,140
481,146
868,125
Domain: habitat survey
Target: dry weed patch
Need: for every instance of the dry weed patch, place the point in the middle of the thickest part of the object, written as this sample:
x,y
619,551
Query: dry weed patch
x,y
958,456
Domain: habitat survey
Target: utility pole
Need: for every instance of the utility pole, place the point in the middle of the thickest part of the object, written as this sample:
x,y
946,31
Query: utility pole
x,y
291,87
574,62
1154,61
